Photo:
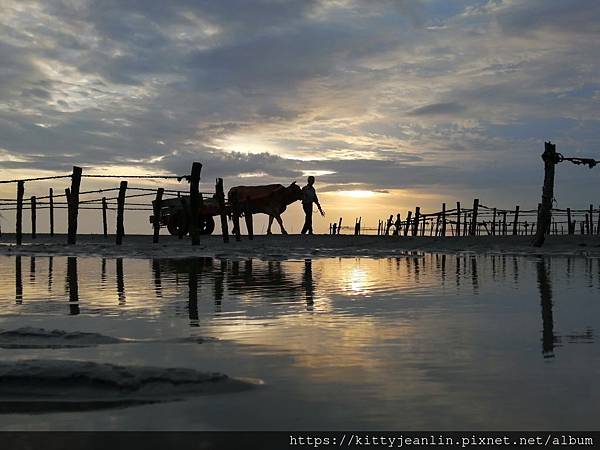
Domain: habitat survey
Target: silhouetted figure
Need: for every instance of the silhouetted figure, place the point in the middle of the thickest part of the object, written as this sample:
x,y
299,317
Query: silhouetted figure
x,y
309,196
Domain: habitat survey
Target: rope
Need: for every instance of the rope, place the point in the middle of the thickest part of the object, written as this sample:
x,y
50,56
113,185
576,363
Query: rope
x,y
163,177
590,162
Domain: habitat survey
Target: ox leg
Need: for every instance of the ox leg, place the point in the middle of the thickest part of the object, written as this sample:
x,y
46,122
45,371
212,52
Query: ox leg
x,y
270,223
280,222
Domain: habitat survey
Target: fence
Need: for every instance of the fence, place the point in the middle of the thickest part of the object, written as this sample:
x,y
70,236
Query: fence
x,y
111,199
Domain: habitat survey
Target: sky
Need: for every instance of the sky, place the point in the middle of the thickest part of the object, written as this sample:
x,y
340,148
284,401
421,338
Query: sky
x,y
390,103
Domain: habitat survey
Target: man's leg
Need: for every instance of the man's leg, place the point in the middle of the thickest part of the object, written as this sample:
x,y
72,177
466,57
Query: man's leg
x,y
308,217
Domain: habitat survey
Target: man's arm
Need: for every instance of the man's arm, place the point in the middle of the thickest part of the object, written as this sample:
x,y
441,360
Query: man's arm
x,y
319,205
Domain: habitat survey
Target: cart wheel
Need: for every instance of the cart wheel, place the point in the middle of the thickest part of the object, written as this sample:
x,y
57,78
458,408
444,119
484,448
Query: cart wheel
x,y
206,224
177,222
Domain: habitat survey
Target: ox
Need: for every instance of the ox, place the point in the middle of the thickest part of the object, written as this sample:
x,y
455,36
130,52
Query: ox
x,y
271,199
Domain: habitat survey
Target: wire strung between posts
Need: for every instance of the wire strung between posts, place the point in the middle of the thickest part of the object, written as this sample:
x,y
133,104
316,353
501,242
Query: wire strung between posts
x,y
35,179
162,177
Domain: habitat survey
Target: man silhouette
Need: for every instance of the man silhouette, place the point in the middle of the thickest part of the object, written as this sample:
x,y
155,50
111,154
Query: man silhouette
x,y
309,196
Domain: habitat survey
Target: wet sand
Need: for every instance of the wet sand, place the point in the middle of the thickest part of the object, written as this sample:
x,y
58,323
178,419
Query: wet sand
x,y
296,246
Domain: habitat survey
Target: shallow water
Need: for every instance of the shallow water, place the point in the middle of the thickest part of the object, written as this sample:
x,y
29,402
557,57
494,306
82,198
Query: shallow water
x,y
421,341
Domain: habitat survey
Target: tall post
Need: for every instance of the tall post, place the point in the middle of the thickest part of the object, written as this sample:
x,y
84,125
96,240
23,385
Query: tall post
x,y
494,223
408,216
104,223
443,219
415,230
591,219
516,222
221,201
51,199
33,217
339,228
73,205
121,211
195,203
570,227
550,160
157,206
19,226
457,218
598,227
473,230
504,223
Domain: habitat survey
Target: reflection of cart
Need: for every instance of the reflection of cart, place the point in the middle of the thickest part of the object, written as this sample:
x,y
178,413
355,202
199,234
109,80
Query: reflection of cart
x,y
175,214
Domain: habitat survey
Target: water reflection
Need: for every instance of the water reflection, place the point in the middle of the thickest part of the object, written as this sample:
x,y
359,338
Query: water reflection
x,y
253,291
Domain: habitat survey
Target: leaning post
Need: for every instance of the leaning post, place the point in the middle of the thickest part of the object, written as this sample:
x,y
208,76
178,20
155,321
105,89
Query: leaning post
x,y
121,211
473,230
515,230
457,218
415,230
443,219
550,158
73,205
195,203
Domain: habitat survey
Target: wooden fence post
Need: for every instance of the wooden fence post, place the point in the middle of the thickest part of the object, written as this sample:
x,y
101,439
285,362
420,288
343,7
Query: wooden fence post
x,y
570,228
504,223
457,219
598,228
51,199
494,223
104,224
516,222
339,227
443,219
195,203
591,219
120,212
550,160
33,217
222,213
406,228
19,226
415,231
157,205
473,231
73,205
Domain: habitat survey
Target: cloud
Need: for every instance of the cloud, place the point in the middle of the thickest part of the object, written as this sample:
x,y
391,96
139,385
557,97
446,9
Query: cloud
x,y
390,94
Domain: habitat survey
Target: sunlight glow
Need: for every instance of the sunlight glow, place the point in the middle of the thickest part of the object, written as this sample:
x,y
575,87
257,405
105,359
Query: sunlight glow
x,y
358,193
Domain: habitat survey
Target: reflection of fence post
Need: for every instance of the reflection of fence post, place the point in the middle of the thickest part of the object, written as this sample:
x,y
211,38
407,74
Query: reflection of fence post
x,y
19,226
516,222
33,217
550,160
73,205
51,199
195,203
221,201
473,230
104,224
120,212
73,285
157,204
